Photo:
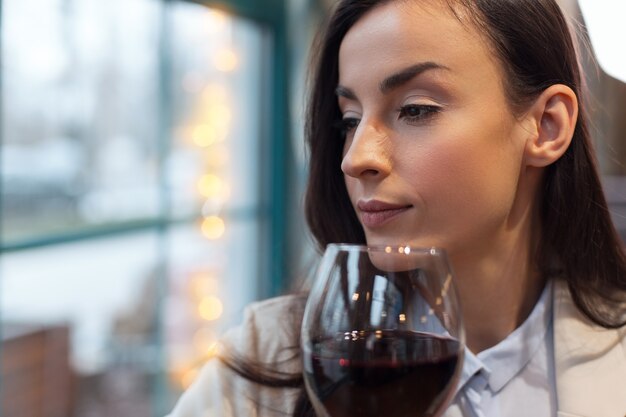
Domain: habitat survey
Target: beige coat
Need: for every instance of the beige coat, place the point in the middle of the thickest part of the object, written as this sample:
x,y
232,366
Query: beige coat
x,y
590,365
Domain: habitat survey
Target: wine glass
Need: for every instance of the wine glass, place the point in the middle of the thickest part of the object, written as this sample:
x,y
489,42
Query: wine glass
x,y
382,333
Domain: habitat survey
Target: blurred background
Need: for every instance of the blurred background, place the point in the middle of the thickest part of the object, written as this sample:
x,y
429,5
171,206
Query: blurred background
x,y
151,179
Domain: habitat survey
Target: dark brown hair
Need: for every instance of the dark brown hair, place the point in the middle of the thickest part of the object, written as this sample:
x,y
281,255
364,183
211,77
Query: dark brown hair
x,y
532,41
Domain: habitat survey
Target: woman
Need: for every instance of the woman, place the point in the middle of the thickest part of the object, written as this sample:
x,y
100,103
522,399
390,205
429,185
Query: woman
x,y
460,126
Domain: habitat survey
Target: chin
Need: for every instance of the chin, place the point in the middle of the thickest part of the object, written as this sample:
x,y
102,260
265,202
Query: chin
x,y
386,241
421,242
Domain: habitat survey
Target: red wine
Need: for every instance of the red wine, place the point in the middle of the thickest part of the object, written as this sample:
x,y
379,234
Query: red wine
x,y
384,373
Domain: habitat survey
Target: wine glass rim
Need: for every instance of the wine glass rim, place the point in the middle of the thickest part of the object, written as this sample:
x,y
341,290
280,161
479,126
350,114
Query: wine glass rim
x,y
406,249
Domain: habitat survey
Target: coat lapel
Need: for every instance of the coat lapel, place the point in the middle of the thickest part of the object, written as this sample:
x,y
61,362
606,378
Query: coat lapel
x,y
590,363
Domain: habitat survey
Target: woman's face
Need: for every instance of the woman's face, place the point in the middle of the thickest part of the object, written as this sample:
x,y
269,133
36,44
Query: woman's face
x,y
433,154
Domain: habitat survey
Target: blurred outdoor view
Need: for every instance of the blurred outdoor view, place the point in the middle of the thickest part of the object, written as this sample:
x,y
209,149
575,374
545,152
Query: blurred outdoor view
x,y
131,198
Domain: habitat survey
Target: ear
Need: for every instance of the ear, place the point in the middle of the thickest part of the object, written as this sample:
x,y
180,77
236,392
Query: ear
x,y
553,117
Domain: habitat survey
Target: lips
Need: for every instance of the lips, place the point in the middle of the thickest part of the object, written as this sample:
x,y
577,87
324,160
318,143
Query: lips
x,y
375,213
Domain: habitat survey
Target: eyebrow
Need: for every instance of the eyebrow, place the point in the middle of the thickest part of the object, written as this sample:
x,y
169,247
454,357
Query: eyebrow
x,y
395,80
342,91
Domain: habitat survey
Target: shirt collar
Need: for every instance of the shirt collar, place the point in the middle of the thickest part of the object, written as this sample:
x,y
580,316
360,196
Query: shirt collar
x,y
506,359
473,375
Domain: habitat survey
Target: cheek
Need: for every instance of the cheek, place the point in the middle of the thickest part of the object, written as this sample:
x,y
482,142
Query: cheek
x,y
466,179
353,186
350,184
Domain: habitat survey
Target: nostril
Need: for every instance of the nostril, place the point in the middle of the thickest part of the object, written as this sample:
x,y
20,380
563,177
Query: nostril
x,y
357,170
370,172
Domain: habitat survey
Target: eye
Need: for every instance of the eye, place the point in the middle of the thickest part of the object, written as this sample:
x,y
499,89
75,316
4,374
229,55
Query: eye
x,y
347,125
414,113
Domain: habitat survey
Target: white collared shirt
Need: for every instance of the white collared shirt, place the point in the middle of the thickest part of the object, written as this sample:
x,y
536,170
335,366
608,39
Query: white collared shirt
x,y
514,378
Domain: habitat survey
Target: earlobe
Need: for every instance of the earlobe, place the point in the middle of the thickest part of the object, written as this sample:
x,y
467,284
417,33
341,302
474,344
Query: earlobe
x,y
554,115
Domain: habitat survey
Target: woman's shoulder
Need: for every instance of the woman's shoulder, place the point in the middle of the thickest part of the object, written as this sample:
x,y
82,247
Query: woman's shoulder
x,y
276,306
269,331
586,353
266,340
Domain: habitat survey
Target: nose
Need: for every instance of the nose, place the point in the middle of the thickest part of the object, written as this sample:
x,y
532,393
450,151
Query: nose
x,y
366,154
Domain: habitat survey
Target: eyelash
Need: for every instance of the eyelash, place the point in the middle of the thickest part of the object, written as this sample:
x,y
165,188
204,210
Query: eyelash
x,y
347,125
423,112
412,113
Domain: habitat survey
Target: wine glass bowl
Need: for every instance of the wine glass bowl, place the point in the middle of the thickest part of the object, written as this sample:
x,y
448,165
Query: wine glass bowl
x,y
382,333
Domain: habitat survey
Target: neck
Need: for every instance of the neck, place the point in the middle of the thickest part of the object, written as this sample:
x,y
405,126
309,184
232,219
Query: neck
x,y
496,298
499,283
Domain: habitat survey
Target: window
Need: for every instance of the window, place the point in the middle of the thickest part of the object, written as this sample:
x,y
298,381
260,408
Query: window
x,y
136,198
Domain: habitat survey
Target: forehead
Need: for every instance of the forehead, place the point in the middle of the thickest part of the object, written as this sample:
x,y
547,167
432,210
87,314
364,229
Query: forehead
x,y
401,33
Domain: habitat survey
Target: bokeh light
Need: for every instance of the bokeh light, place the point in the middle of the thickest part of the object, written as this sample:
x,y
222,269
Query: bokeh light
x,y
213,227
226,60
210,308
204,135
202,284
210,185
219,116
